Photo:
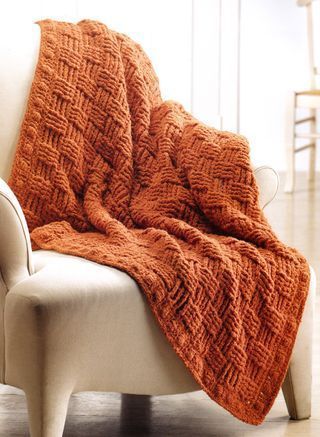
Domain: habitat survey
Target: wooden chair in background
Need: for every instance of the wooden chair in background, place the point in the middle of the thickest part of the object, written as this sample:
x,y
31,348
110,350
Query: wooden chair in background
x,y
309,99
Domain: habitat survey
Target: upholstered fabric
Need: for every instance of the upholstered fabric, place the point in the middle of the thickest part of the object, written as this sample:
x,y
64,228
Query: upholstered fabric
x,y
19,53
268,183
94,327
15,254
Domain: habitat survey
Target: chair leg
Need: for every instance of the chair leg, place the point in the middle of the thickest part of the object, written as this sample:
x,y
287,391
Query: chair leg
x,y
312,163
298,382
290,176
47,411
312,155
297,396
135,417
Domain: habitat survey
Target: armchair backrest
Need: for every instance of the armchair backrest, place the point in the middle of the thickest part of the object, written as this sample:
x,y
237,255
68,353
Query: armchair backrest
x,y
19,48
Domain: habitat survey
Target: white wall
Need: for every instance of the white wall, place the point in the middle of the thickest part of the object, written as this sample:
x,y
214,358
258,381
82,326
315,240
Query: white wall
x,y
165,38
263,58
237,75
163,27
274,62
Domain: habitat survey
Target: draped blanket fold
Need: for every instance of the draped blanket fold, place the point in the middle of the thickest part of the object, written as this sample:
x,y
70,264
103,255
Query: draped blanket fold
x,y
108,171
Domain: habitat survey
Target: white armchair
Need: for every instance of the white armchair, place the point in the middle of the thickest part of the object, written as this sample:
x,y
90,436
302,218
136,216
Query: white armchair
x,y
72,325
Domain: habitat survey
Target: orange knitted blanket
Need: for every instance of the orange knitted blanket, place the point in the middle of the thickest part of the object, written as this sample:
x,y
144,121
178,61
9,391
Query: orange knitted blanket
x,y
107,171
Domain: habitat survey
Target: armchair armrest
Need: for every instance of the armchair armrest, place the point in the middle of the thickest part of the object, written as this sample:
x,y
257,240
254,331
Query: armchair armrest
x,y
15,246
268,182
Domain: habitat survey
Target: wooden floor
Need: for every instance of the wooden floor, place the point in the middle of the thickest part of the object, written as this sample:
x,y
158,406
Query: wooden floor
x,y
296,218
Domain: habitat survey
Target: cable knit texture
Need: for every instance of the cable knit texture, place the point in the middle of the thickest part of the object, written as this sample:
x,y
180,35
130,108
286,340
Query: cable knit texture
x,y
107,171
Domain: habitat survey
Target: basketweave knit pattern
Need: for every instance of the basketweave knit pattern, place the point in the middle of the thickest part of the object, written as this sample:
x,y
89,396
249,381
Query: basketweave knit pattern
x,y
107,171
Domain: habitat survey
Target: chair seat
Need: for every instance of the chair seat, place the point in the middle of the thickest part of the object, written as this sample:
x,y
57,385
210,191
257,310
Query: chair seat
x,y
309,92
308,99
93,325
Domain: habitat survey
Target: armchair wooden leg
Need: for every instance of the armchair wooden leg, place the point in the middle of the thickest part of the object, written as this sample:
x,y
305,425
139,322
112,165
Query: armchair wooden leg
x,y
47,412
135,417
298,382
297,397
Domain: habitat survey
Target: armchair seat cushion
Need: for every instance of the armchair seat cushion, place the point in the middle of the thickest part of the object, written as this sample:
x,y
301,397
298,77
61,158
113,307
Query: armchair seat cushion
x,y
93,326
